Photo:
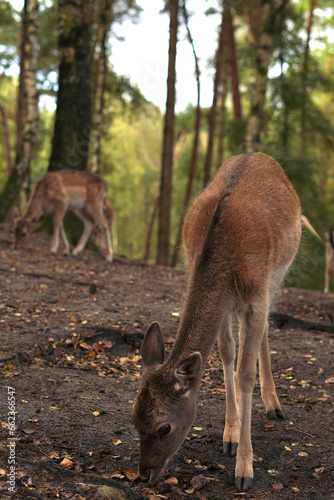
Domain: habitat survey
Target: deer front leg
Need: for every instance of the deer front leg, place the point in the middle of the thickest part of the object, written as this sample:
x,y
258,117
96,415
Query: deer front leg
x,y
252,329
88,226
226,348
64,240
268,391
58,217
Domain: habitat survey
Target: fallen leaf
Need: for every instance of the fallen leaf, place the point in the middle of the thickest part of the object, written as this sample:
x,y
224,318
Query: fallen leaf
x,y
96,413
320,470
303,454
287,448
73,320
66,463
84,345
173,481
278,486
9,368
131,474
330,380
116,442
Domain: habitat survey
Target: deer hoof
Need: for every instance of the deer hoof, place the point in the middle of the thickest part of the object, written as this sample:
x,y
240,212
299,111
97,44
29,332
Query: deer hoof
x,y
275,415
243,483
230,448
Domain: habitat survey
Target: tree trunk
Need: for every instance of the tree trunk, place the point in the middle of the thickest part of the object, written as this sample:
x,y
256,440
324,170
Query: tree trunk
x,y
303,141
150,230
221,119
193,160
213,110
6,139
70,145
262,31
105,21
233,61
18,173
168,139
20,102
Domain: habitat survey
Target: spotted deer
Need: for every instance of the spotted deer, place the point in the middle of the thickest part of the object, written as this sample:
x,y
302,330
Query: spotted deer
x,y
241,235
81,192
329,242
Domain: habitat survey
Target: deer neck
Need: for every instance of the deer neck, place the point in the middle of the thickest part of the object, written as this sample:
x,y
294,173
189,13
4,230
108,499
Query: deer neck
x,y
201,319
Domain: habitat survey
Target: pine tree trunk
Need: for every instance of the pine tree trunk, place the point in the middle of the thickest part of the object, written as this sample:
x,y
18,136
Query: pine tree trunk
x,y
233,61
70,145
193,159
213,110
96,135
262,50
18,173
303,141
168,140
221,119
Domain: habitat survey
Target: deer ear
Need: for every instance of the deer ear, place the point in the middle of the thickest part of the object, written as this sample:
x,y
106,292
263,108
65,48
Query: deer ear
x,y
188,371
152,349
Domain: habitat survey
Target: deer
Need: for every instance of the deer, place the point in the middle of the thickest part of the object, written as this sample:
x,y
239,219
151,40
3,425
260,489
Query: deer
x,y
240,235
81,192
329,270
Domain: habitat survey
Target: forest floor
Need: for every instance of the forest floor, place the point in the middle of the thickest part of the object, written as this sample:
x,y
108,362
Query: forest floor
x,y
70,332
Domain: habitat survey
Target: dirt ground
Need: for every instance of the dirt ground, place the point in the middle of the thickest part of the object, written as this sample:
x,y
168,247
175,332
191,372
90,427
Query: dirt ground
x,y
70,332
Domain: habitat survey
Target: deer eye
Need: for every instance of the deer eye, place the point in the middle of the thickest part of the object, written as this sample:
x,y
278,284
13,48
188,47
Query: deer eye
x,y
164,430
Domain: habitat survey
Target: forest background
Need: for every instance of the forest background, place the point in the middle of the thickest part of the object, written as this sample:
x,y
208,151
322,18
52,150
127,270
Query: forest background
x,y
272,83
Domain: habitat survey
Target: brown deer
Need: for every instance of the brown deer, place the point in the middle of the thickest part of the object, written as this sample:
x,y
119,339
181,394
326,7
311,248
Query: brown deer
x,y
329,242
241,234
81,192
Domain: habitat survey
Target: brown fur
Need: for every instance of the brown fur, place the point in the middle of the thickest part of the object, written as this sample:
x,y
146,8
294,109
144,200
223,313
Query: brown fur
x,y
81,192
240,235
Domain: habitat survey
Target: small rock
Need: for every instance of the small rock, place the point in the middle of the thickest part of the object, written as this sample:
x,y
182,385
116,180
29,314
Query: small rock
x,y
198,482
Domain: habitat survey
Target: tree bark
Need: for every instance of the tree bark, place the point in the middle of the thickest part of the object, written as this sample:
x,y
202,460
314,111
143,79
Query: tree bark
x,y
213,110
96,135
18,173
168,139
20,102
303,141
70,145
221,119
233,61
193,160
5,132
262,32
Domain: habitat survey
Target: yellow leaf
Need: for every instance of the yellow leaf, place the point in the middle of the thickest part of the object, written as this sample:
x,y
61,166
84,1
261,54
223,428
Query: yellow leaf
x,y
73,320
303,454
319,470
172,481
8,368
116,442
66,463
197,428
287,448
96,413
175,314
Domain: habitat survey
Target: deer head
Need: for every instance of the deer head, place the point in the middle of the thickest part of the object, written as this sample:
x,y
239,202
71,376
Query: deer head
x,y
165,407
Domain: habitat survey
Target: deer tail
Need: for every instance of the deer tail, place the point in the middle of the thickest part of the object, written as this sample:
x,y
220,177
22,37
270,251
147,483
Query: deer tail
x,y
306,223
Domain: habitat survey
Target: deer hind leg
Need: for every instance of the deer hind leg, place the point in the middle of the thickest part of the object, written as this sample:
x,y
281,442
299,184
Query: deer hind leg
x,y
252,327
96,210
226,346
268,391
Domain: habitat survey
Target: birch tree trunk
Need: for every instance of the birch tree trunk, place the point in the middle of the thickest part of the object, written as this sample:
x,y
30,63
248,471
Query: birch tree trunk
x,y
18,173
96,135
70,144
168,140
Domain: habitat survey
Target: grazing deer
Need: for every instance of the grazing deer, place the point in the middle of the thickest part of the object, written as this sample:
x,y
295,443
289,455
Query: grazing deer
x,y
81,192
329,242
241,234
